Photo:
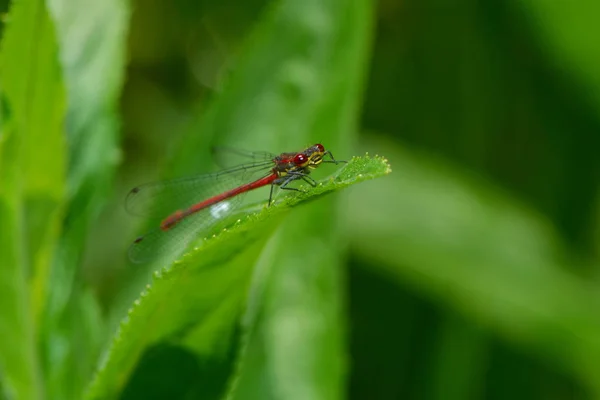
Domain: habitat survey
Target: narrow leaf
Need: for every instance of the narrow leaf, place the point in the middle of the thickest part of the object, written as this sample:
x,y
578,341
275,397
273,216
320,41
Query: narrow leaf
x,y
92,37
181,304
472,247
32,165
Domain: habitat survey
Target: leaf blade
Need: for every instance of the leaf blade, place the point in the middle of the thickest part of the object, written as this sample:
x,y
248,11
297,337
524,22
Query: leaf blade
x,y
32,164
462,242
91,37
183,295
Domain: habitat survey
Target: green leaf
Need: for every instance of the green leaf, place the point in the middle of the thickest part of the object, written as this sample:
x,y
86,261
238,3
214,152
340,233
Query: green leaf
x,y
196,301
92,39
472,247
32,165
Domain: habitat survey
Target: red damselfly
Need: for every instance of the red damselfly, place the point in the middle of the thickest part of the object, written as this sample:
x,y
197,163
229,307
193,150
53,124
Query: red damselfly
x,y
201,201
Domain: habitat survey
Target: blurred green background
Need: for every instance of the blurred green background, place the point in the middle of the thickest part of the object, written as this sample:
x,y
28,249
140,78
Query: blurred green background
x,y
471,271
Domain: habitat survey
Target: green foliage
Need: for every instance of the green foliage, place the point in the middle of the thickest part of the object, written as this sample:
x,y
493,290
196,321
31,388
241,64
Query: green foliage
x,y
93,80
32,186
500,252
431,282
57,161
574,47
196,302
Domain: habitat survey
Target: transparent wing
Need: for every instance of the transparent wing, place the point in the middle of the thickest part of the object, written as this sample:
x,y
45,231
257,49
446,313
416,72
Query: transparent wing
x,y
175,240
227,157
161,199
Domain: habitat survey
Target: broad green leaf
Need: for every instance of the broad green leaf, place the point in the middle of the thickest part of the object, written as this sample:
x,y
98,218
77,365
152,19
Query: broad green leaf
x,y
472,247
32,165
195,303
92,38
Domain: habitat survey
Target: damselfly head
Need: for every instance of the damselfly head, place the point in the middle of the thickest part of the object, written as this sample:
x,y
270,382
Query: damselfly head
x,y
314,155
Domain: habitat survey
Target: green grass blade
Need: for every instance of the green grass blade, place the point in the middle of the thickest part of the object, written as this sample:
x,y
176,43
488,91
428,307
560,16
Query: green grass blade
x,y
32,165
195,303
473,248
92,38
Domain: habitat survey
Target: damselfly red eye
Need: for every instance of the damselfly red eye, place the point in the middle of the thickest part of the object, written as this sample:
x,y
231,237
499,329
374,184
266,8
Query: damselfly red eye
x,y
299,159
320,147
